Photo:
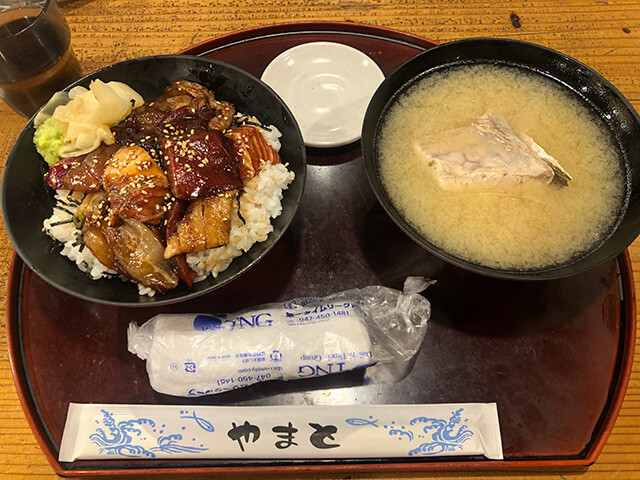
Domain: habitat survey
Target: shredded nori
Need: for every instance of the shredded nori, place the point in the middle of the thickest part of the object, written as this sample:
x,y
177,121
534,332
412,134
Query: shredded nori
x,y
244,120
62,222
78,241
69,204
71,200
254,124
239,214
56,247
64,210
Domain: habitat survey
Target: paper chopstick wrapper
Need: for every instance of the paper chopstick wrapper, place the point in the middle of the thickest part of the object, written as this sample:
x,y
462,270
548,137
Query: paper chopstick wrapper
x,y
101,431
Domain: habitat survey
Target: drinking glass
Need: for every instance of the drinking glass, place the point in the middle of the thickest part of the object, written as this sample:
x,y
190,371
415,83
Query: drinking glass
x,y
36,58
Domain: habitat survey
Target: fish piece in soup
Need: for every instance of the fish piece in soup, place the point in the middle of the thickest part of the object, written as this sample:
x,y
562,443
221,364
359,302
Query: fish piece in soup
x,y
489,152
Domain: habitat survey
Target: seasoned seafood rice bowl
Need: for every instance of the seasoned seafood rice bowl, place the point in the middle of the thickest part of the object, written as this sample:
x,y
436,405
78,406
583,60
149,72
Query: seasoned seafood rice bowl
x,y
208,195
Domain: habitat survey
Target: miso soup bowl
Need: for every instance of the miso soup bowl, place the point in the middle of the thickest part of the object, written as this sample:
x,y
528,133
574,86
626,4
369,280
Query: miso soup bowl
x,y
593,90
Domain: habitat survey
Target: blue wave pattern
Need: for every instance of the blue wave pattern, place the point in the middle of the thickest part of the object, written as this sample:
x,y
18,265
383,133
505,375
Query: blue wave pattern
x,y
119,440
445,435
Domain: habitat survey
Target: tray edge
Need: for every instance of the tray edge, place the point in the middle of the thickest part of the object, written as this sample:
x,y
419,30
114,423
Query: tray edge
x,y
14,295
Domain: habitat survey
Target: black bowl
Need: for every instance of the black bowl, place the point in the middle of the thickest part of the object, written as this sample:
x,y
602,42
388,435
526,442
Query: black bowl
x,y
594,91
27,200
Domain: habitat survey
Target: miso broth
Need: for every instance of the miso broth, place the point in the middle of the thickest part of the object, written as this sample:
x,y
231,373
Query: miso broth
x,y
523,226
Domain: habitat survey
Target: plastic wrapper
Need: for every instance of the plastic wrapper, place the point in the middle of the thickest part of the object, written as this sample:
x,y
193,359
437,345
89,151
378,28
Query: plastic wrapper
x,y
200,354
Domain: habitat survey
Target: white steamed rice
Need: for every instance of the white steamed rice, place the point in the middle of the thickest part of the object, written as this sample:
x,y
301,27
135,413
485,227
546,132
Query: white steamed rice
x,y
260,201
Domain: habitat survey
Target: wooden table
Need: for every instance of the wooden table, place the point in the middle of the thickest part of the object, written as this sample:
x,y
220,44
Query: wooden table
x,y
604,34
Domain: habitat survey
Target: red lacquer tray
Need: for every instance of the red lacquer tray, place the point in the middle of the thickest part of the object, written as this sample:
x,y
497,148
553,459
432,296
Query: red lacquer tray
x,y
555,356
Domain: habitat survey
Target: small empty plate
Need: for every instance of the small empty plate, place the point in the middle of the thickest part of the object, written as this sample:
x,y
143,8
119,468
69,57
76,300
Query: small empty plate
x,y
328,87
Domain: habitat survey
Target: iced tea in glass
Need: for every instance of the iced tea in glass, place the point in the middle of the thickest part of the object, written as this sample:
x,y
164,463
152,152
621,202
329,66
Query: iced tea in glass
x,y
36,58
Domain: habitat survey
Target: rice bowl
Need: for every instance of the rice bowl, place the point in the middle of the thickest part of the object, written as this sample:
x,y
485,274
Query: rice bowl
x,y
27,201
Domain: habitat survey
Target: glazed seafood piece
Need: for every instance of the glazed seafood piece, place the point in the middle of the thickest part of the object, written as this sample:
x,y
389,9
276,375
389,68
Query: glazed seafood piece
x,y
182,106
169,187
206,224
139,255
251,149
82,173
136,186
200,164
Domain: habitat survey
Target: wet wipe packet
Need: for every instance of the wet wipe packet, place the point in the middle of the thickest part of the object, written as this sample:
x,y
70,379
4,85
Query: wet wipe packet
x,y
192,355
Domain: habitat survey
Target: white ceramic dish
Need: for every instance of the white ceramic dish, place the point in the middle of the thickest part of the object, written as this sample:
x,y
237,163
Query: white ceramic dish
x,y
328,87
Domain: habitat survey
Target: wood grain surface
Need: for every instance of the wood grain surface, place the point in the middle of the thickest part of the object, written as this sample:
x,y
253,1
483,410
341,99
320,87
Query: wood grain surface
x,y
604,34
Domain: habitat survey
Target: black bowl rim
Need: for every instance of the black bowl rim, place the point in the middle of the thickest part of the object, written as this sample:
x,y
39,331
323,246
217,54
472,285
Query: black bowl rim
x,y
571,268
156,300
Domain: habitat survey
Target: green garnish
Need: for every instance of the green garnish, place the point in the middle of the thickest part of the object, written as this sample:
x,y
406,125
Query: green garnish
x,y
48,140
